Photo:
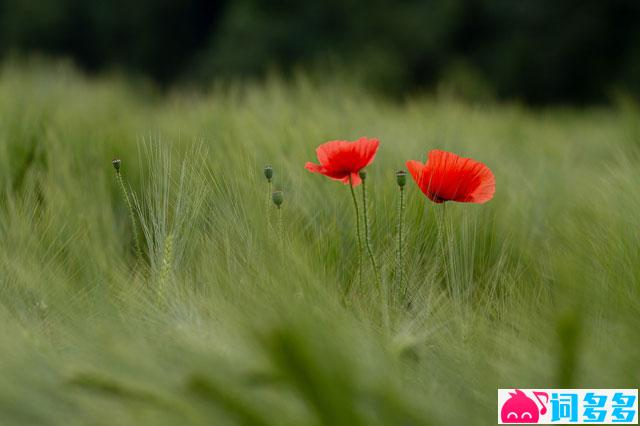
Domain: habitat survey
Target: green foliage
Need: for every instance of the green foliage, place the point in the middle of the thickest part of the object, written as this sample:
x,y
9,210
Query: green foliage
x,y
225,321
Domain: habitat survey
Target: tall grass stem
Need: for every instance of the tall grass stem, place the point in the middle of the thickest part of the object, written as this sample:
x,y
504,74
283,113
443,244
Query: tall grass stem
x,y
367,237
268,174
165,266
132,217
357,210
399,262
443,239
268,203
280,226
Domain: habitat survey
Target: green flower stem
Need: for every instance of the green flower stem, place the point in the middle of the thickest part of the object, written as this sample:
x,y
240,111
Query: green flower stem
x,y
268,203
367,238
355,205
278,199
443,241
132,217
280,226
399,262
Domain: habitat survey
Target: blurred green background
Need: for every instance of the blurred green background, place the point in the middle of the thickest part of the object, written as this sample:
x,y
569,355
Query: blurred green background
x,y
541,52
238,314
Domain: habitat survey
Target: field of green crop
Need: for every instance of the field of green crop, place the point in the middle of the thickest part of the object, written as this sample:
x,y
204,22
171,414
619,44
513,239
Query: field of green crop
x,y
236,313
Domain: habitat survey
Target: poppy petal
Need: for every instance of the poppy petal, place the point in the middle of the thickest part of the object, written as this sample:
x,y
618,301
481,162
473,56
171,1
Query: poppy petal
x,y
355,179
487,187
341,159
328,151
366,150
415,168
449,177
313,168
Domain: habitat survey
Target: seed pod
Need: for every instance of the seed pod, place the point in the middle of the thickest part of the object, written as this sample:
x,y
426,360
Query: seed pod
x,y
277,198
116,163
401,177
268,172
363,174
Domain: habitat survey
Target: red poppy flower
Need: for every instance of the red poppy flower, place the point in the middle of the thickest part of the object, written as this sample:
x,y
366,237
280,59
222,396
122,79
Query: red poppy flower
x,y
448,177
341,160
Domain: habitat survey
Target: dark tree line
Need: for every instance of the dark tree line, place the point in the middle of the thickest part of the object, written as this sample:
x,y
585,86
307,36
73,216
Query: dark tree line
x,y
537,50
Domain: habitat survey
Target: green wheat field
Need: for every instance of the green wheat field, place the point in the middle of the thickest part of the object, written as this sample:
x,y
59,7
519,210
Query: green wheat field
x,y
239,314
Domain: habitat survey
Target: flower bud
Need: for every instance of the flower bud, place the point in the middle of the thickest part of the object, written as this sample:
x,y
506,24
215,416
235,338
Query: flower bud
x,y
401,177
363,174
116,164
277,198
268,172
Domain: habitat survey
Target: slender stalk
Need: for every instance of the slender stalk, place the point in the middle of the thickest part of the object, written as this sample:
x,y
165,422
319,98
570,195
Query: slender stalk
x,y
399,262
165,266
267,205
132,217
443,241
280,226
355,206
367,238
278,199
268,174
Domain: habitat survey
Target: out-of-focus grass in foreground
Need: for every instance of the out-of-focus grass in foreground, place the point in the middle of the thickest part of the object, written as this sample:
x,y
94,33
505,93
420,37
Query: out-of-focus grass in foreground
x,y
238,325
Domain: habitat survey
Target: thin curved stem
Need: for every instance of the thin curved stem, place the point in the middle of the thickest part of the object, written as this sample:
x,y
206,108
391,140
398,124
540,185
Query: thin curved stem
x,y
367,238
399,262
268,203
280,227
165,265
444,246
134,226
355,206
